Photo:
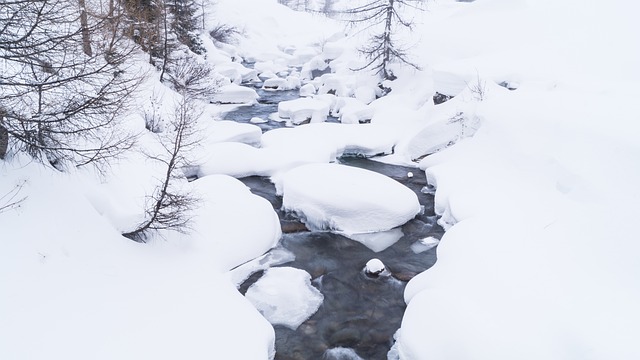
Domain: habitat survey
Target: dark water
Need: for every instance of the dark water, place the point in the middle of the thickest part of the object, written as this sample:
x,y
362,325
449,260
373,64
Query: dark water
x,y
267,105
359,312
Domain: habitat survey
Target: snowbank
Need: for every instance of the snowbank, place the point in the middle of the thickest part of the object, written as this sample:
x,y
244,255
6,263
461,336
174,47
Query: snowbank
x,y
73,288
347,199
524,271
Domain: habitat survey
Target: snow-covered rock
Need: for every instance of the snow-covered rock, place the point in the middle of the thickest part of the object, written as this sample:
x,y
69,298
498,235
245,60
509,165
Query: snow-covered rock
x,y
300,110
275,83
236,72
231,131
229,206
278,83
285,296
366,94
356,113
347,199
433,138
332,83
257,120
374,267
235,94
341,353
307,90
266,75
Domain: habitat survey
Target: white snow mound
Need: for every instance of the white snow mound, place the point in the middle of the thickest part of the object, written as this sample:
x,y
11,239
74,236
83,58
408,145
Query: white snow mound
x,y
235,94
302,109
231,131
285,296
347,199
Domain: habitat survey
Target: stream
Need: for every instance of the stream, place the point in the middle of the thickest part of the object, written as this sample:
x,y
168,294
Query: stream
x,y
360,313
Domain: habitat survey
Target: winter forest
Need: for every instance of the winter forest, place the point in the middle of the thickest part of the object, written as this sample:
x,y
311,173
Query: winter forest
x,y
319,179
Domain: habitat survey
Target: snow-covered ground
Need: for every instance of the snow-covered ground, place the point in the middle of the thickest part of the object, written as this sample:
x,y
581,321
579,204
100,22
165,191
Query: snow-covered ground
x,y
536,186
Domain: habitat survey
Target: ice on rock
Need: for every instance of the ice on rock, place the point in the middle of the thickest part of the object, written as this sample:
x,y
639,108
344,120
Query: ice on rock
x,y
235,94
424,244
285,296
377,241
347,199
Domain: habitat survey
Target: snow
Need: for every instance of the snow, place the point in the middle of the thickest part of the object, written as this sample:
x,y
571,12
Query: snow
x,y
347,199
276,83
524,271
276,256
231,131
236,72
537,189
341,353
235,94
307,90
374,266
73,288
378,241
300,110
425,244
228,206
285,296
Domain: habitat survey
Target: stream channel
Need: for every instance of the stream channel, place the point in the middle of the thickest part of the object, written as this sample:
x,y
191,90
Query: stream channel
x,y
359,313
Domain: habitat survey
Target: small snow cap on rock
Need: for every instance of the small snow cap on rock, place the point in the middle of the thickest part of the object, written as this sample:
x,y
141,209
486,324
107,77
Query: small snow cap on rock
x,y
374,267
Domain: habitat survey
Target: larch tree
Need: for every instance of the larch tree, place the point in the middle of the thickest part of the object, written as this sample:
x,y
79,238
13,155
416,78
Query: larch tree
x,y
383,19
169,205
64,82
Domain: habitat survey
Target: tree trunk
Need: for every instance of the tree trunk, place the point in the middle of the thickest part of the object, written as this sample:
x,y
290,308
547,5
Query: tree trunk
x,y
165,50
4,141
386,58
84,24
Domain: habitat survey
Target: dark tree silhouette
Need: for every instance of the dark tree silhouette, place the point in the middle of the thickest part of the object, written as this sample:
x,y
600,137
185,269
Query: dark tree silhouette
x,y
64,82
383,18
168,207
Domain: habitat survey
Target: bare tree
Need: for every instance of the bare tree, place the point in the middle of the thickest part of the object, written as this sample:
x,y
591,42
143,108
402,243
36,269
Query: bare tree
x,y
61,95
167,208
194,79
10,200
383,18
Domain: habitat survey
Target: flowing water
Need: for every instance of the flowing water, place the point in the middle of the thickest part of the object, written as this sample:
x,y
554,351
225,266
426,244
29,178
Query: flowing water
x,y
360,313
